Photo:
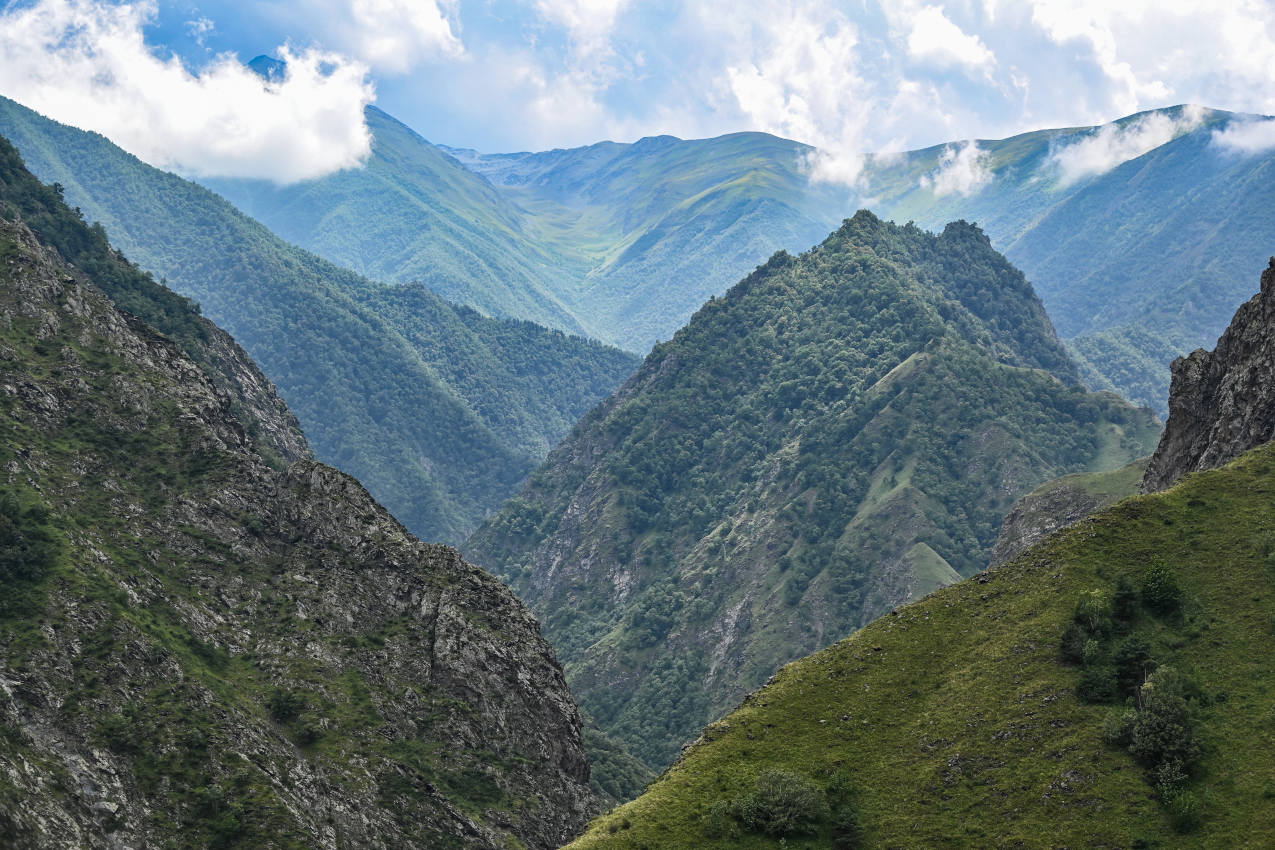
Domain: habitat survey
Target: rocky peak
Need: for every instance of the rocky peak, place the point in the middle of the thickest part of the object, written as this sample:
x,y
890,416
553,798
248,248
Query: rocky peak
x,y
1221,402
221,649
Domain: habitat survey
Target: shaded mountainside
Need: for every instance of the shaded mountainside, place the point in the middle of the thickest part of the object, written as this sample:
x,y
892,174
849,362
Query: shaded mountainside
x,y
959,721
1223,401
371,371
1060,503
842,432
1135,264
664,222
414,214
204,648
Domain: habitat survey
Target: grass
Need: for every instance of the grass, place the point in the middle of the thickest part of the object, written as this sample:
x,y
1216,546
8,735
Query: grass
x,y
959,722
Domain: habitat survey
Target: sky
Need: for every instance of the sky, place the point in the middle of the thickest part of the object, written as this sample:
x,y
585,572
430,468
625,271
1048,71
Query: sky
x,y
165,80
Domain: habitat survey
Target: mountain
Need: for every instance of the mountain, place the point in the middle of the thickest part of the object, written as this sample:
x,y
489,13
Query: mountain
x,y
206,645
1135,264
1222,404
414,214
1106,688
842,432
1060,503
1135,261
666,223
440,411
956,721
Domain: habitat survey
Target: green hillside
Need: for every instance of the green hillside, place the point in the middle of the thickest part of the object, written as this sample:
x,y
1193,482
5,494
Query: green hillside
x,y
956,721
1135,266
843,431
441,412
414,214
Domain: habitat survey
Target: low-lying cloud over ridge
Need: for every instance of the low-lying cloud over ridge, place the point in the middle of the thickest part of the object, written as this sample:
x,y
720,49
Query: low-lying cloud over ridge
x,y
86,64
1115,144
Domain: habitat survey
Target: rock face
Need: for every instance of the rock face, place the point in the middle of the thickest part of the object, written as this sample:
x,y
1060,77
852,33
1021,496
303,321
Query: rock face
x,y
1061,503
1221,403
227,650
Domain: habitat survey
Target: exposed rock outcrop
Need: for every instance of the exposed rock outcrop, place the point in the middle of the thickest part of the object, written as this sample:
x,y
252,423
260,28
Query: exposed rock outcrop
x,y
228,651
1061,503
1221,403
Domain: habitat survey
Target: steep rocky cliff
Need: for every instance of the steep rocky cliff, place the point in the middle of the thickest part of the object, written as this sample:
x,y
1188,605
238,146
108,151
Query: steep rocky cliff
x,y
1061,503
201,646
1222,403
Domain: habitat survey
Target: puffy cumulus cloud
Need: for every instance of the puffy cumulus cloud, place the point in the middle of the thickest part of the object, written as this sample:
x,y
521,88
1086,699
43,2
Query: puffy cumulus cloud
x,y
589,23
963,170
1246,137
391,36
86,64
1112,144
1153,52
934,38
802,81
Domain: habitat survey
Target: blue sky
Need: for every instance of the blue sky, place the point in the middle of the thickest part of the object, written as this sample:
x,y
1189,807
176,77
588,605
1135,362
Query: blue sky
x,y
160,78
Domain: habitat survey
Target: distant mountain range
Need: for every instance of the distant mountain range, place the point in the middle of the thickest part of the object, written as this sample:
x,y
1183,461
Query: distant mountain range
x,y
1136,261
439,410
841,432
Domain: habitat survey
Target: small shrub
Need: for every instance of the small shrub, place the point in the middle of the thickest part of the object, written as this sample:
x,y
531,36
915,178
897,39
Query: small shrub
x,y
783,804
285,705
1163,731
1133,663
718,823
1161,591
1097,684
1117,727
1124,602
1093,614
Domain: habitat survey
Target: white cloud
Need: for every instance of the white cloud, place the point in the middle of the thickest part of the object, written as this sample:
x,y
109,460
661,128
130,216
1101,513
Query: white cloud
x,y
1246,137
934,38
963,170
589,23
1153,52
394,35
86,64
803,82
1112,144
391,36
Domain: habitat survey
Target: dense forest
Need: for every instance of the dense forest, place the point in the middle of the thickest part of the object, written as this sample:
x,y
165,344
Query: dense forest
x,y
842,431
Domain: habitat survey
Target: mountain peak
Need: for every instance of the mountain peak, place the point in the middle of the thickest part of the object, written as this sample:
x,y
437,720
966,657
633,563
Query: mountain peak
x,y
1221,402
268,68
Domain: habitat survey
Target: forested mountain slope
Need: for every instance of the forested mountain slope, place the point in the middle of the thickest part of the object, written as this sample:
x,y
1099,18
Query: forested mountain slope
x,y
202,645
1106,688
439,411
1136,261
843,431
972,719
415,214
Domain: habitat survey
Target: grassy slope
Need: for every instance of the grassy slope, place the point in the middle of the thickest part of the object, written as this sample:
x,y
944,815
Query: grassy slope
x,y
371,396
959,723
414,214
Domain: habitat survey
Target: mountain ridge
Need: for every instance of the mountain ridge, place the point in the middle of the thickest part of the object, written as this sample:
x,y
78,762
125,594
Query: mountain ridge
x,y
765,480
